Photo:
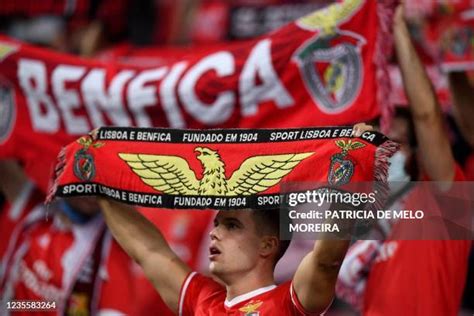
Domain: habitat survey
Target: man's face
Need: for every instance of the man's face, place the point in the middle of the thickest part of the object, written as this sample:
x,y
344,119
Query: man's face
x,y
235,244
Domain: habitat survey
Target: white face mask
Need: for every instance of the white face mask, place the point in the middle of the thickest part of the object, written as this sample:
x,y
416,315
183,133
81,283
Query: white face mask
x,y
397,176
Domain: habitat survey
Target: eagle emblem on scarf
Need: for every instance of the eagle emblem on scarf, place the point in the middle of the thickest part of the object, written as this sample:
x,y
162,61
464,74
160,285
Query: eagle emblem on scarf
x,y
172,174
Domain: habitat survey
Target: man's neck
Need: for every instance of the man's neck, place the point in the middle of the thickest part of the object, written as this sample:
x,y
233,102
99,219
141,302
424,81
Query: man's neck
x,y
252,281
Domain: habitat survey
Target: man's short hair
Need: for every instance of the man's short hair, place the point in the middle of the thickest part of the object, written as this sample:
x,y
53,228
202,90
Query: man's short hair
x,y
267,222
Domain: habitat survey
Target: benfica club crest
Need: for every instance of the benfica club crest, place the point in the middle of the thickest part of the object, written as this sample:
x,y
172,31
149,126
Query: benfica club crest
x,y
331,63
332,70
84,166
341,168
251,308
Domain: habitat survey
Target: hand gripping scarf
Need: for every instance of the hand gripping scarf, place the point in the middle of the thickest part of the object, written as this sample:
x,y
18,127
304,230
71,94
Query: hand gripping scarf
x,y
217,169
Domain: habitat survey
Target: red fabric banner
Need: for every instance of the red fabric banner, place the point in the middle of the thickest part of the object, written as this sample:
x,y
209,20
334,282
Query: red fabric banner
x,y
327,68
426,8
445,29
453,38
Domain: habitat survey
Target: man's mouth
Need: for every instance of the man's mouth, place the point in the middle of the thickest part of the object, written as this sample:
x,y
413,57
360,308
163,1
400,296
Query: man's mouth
x,y
213,252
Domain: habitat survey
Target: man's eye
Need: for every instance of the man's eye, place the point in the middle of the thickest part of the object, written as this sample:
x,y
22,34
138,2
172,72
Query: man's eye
x,y
232,226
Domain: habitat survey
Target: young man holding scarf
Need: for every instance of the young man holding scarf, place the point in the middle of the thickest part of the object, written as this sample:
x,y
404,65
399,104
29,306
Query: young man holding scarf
x,y
245,247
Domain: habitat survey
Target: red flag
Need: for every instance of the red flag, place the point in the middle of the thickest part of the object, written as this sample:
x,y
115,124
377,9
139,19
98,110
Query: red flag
x,y
446,31
324,69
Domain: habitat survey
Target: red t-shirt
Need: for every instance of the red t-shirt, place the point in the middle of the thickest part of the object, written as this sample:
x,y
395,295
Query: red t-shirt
x,y
418,277
201,295
116,276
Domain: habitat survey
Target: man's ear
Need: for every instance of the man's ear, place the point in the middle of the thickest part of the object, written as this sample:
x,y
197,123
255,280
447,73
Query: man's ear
x,y
269,245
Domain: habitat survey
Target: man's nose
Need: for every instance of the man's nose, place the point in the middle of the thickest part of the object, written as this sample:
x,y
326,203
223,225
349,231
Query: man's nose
x,y
214,234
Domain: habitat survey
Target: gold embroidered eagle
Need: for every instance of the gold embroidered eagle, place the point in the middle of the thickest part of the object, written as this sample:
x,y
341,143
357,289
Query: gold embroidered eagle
x,y
328,18
172,174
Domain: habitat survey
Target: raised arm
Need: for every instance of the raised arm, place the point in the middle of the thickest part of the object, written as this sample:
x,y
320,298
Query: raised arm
x,y
147,246
434,148
315,279
463,104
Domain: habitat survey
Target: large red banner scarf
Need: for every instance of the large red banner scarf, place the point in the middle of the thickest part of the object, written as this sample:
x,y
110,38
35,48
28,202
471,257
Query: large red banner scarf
x,y
446,31
221,169
324,69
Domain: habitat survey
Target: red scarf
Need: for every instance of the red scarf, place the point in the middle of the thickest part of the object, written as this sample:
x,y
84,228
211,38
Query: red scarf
x,y
452,36
327,68
447,31
217,169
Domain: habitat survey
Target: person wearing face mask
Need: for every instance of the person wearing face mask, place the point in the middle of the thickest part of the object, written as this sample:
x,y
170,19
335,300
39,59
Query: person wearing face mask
x,y
407,274
401,169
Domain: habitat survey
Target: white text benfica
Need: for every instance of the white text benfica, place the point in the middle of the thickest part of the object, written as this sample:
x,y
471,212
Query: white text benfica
x,y
94,189
316,134
80,98
135,135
